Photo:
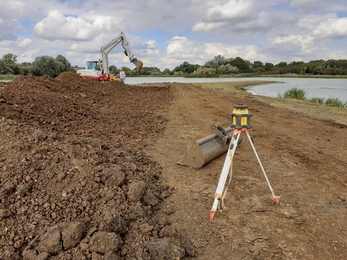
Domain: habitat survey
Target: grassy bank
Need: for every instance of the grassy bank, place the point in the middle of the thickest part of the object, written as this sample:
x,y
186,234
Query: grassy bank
x,y
228,86
300,94
7,77
316,110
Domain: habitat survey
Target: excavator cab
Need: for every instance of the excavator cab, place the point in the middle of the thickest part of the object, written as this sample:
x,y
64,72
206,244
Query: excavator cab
x,y
93,64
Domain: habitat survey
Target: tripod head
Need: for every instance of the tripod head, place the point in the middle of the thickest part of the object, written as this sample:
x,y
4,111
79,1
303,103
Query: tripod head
x,y
240,118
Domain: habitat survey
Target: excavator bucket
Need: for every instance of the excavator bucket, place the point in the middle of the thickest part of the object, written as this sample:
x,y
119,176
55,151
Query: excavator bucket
x,y
138,65
208,148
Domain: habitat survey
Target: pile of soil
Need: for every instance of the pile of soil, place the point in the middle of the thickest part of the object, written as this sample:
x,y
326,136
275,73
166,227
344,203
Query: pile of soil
x,y
75,180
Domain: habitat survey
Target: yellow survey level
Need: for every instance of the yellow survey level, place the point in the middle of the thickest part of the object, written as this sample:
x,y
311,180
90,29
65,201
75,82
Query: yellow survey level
x,y
240,118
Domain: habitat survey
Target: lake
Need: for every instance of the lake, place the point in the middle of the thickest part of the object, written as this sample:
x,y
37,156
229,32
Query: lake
x,y
322,88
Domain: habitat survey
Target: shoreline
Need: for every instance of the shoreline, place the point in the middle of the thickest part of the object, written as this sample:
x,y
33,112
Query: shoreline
x,y
309,109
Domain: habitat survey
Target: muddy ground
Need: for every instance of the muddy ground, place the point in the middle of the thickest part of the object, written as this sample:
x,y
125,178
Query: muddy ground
x,y
89,171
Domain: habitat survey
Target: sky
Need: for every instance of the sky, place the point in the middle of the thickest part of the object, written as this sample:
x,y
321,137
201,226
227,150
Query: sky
x,y
166,33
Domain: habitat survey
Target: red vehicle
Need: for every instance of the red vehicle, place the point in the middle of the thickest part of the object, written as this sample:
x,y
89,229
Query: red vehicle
x,y
92,72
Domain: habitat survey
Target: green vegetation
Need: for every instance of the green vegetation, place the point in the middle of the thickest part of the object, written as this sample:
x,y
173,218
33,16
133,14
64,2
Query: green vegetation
x,y
50,66
301,95
294,93
216,67
335,102
9,69
230,86
7,77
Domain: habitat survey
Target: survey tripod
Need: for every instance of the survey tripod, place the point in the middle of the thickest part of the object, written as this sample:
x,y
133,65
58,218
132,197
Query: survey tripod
x,y
240,122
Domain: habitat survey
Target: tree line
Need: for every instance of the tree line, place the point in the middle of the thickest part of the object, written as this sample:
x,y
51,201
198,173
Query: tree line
x,y
213,68
41,66
220,65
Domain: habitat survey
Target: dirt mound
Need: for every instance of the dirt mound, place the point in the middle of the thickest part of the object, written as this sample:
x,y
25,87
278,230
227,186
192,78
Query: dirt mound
x,y
75,181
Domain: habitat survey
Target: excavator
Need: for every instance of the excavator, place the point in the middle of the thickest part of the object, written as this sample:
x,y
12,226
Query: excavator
x,y
104,74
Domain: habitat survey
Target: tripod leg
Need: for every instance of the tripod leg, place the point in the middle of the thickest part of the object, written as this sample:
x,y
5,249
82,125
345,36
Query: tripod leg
x,y
275,198
226,188
224,174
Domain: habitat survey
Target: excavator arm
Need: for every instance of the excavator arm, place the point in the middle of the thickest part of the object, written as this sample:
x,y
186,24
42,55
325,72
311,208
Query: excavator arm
x,y
125,44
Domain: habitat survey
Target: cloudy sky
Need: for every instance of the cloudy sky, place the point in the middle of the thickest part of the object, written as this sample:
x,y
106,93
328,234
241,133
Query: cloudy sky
x,y
165,33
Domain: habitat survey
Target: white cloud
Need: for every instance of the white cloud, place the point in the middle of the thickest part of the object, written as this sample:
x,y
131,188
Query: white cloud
x,y
337,55
167,33
226,14
300,44
296,39
232,9
7,27
312,21
28,56
331,28
58,26
181,48
24,43
151,44
206,26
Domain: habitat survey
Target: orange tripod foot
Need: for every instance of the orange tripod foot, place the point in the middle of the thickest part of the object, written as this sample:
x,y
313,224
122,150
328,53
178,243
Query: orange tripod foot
x,y
212,214
277,199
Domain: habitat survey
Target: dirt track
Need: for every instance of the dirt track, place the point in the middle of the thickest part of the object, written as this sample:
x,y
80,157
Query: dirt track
x,y
89,171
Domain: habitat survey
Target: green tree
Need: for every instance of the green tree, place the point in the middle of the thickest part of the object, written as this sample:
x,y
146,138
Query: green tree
x,y
113,70
186,68
65,65
155,72
9,65
2,67
202,72
257,64
227,69
25,70
315,67
297,67
178,73
129,72
9,58
50,66
216,62
241,64
167,72
268,66
282,64
45,65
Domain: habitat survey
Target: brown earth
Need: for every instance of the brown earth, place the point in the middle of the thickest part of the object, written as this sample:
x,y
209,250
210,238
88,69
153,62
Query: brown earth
x,y
89,171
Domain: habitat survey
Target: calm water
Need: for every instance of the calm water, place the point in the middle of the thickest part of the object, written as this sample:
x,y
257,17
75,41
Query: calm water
x,y
314,87
322,88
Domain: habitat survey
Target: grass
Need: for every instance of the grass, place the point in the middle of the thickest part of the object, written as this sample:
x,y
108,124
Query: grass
x,y
300,94
294,93
335,102
317,100
228,86
7,76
